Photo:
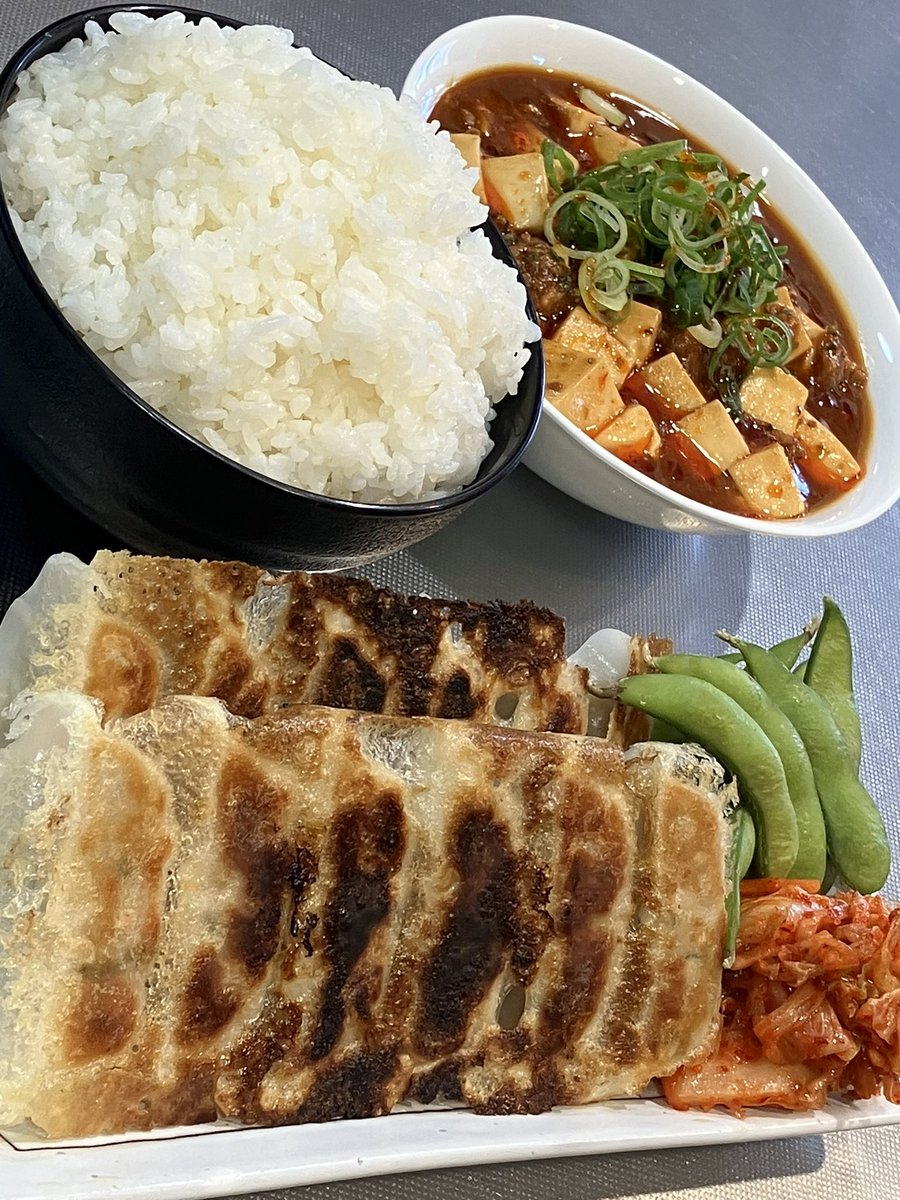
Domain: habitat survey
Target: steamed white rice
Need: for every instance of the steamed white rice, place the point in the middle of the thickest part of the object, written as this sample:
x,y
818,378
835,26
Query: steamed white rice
x,y
277,258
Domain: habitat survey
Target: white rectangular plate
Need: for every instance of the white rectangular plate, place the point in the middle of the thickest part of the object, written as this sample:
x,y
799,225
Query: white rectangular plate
x,y
209,1161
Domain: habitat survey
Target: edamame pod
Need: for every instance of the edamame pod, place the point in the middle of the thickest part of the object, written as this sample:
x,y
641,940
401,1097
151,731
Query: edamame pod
x,y
857,841
746,833
830,878
791,648
745,691
709,717
829,672
788,650
662,731
743,843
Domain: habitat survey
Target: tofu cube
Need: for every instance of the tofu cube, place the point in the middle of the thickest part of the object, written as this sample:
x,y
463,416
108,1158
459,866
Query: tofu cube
x,y
826,461
766,482
637,332
516,186
579,331
469,146
773,397
577,119
607,143
526,138
632,436
813,330
674,386
579,386
712,430
802,342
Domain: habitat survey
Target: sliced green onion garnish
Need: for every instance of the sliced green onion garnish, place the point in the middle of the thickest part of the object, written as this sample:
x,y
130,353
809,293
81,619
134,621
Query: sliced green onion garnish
x,y
651,154
603,108
672,223
710,163
673,189
603,283
764,340
605,217
707,335
558,166
645,270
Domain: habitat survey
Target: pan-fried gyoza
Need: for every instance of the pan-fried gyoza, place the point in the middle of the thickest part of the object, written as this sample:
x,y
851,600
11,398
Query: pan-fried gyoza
x,y
320,914
130,630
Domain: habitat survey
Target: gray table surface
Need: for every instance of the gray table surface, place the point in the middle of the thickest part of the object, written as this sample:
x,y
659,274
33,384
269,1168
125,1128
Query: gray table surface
x,y
823,80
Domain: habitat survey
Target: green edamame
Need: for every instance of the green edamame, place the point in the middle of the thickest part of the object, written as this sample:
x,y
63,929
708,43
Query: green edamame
x,y
856,837
661,731
740,855
788,650
745,832
745,691
829,671
706,715
830,878
791,648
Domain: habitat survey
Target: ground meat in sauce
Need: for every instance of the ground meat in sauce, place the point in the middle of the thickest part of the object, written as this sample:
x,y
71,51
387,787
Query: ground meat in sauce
x,y
552,282
833,370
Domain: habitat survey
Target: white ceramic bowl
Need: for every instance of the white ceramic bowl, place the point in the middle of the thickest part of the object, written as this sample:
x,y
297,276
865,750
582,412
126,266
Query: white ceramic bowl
x,y
560,452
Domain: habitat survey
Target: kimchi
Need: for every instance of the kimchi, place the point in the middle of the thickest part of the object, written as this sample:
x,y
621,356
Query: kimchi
x,y
810,1005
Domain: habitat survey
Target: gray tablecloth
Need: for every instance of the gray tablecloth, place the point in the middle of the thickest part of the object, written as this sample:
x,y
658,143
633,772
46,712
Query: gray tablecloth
x,y
823,79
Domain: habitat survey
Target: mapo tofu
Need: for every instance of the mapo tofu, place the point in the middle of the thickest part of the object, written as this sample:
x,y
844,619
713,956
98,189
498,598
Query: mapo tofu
x,y
686,330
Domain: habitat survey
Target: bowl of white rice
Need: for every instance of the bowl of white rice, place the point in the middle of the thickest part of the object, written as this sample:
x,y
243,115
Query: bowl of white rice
x,y
248,307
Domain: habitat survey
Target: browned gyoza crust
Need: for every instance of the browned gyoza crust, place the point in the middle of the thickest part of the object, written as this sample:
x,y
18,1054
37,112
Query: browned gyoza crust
x,y
321,914
257,641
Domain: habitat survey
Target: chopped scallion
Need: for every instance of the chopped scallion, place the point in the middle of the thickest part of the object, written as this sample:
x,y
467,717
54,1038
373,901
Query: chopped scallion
x,y
668,222
558,165
603,108
707,335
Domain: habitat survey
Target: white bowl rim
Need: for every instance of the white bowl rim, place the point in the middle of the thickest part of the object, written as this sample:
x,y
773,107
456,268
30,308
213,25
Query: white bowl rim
x,y
822,522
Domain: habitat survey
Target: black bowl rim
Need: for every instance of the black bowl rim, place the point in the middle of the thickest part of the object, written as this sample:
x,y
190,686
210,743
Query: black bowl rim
x,y
28,53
